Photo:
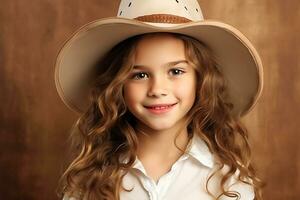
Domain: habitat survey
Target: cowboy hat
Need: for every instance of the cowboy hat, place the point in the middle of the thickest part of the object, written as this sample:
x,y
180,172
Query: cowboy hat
x,y
237,58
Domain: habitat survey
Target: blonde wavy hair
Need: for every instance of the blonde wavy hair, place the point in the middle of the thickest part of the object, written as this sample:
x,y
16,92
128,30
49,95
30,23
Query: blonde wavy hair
x,y
106,131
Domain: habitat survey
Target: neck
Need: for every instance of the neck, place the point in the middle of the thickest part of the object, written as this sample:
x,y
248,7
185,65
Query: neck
x,y
159,144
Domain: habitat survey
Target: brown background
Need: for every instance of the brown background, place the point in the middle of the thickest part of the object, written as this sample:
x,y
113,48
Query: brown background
x,y
35,123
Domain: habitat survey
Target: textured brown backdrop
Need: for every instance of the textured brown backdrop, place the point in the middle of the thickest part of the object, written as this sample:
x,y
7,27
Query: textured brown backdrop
x,y
35,124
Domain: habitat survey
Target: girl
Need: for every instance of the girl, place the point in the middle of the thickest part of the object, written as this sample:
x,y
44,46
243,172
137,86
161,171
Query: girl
x,y
162,120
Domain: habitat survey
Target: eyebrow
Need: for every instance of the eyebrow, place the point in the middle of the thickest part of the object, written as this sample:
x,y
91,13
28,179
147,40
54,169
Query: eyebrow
x,y
166,64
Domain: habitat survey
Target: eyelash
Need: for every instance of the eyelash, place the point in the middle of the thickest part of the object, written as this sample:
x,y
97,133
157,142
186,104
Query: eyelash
x,y
135,75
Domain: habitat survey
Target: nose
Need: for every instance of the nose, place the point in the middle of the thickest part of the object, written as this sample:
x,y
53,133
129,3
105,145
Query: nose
x,y
158,87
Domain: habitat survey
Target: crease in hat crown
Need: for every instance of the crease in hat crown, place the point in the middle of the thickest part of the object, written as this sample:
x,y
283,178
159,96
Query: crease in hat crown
x,y
164,11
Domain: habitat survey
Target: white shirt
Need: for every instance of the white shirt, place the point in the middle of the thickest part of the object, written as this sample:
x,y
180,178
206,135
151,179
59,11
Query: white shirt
x,y
185,181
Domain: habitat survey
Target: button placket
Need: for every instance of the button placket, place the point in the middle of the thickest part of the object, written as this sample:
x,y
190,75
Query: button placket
x,y
168,179
155,189
163,186
158,191
151,188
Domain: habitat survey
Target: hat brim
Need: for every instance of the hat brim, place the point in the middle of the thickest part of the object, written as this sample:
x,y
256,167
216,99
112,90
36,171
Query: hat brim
x,y
237,58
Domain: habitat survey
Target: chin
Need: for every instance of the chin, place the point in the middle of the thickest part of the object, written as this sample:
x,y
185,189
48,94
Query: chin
x,y
159,126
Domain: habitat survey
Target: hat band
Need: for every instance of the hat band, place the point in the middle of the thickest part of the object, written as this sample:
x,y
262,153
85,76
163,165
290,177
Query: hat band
x,y
163,18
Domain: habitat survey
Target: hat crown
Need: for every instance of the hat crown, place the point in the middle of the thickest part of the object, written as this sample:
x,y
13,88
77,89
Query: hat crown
x,y
189,9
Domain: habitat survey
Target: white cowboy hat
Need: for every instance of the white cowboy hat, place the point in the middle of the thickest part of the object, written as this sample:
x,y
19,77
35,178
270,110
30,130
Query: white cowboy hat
x,y
237,58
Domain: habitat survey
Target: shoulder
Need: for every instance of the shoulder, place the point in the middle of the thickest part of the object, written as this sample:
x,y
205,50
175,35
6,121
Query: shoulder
x,y
233,184
245,190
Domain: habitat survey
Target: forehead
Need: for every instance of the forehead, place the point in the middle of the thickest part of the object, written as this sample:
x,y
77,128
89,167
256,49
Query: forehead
x,y
159,48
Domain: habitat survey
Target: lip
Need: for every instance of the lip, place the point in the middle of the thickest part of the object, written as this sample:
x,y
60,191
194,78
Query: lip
x,y
160,108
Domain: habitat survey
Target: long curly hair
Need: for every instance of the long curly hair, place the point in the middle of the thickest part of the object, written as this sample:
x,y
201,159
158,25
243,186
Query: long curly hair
x,y
106,131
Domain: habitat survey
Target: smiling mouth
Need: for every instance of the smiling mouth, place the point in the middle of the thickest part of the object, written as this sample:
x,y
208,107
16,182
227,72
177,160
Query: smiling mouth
x,y
160,108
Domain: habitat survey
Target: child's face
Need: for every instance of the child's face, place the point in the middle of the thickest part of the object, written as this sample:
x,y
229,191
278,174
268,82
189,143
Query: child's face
x,y
159,93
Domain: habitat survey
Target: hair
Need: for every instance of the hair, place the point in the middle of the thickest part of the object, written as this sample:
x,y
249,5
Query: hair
x,y
107,129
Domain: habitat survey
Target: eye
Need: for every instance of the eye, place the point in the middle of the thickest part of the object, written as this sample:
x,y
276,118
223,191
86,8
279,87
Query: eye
x,y
139,75
176,71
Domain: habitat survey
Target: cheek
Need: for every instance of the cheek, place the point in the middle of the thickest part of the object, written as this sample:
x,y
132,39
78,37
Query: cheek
x,y
186,89
132,93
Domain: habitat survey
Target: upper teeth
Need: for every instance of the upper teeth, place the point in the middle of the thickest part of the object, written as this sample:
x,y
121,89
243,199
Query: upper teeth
x,y
160,107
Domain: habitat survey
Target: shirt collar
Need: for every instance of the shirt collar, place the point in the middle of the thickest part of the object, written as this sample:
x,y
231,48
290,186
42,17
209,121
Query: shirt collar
x,y
197,149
